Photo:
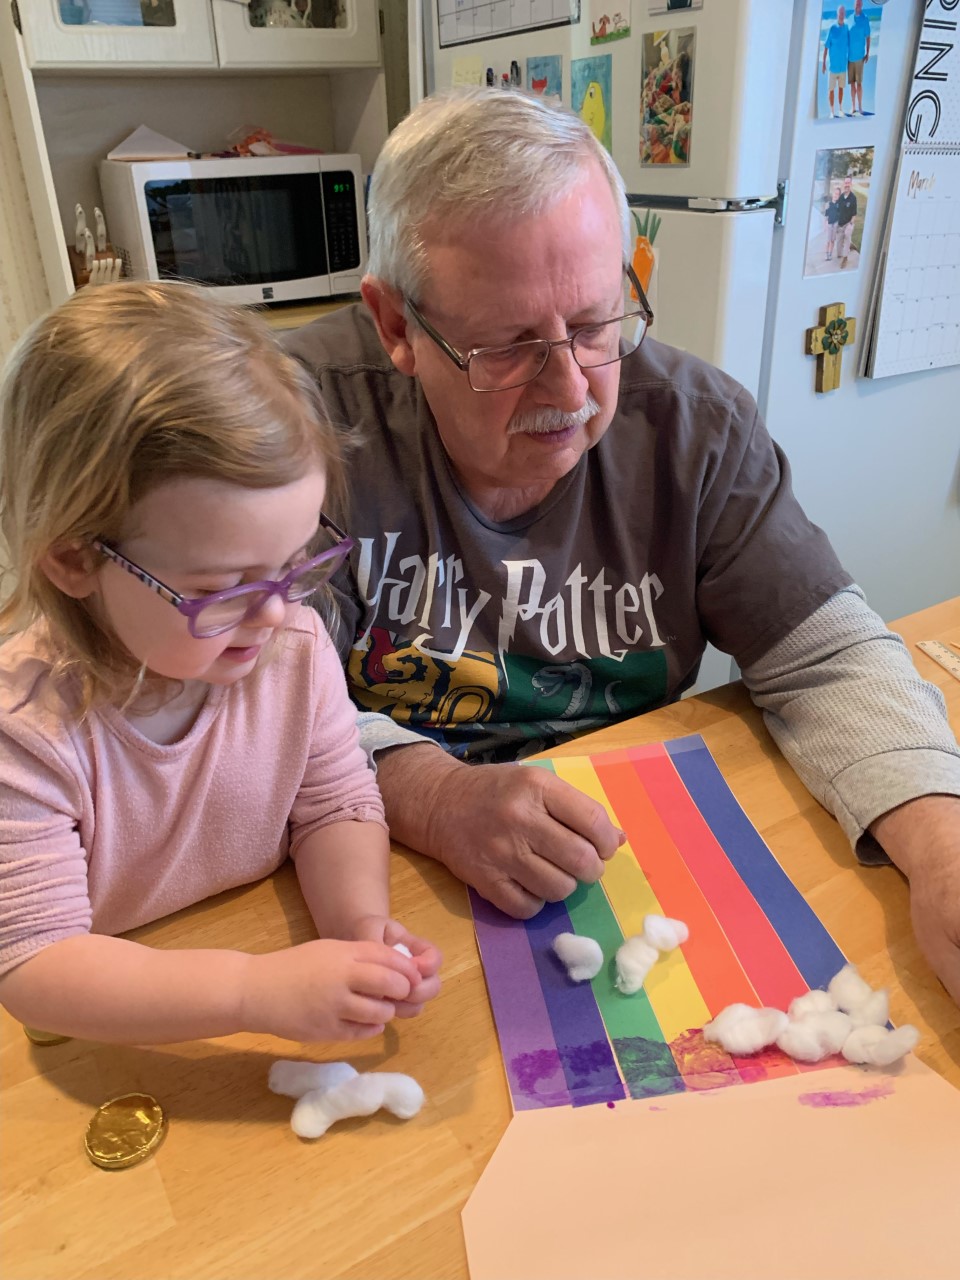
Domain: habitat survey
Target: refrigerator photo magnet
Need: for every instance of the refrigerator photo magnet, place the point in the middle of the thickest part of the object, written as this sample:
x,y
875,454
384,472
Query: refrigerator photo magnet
x,y
666,96
838,206
545,75
609,20
591,94
847,58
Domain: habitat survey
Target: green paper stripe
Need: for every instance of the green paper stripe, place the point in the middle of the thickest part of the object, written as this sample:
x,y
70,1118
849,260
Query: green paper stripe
x,y
644,1059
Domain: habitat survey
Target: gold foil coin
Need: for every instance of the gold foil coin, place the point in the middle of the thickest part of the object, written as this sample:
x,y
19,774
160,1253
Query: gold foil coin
x,y
125,1131
36,1036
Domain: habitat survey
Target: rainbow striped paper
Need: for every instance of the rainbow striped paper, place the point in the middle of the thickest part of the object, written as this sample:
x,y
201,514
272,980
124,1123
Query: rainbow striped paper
x,y
692,854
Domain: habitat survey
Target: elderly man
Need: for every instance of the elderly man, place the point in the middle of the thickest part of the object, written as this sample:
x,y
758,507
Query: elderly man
x,y
555,513
846,220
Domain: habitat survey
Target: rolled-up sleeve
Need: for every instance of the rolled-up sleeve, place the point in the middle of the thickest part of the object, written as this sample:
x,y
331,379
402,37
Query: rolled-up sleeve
x,y
44,895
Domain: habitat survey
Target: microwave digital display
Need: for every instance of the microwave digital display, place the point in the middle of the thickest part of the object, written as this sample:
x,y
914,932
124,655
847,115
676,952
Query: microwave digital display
x,y
249,230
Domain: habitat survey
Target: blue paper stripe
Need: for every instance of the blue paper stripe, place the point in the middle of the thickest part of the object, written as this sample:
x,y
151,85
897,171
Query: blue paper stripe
x,y
588,1062
813,951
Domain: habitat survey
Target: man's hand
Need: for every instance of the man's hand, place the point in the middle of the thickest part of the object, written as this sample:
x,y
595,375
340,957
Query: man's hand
x,y
520,837
922,838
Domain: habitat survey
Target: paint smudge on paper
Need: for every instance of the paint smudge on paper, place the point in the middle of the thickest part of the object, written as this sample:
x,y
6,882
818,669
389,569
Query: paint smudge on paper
x,y
529,1070
847,1097
703,1065
648,1067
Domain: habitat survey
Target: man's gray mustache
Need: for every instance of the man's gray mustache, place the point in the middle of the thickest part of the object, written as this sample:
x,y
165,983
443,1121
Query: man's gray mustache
x,y
541,421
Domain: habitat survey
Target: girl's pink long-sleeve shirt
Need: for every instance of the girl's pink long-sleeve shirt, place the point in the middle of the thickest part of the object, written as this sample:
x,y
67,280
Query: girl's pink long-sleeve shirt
x,y
102,830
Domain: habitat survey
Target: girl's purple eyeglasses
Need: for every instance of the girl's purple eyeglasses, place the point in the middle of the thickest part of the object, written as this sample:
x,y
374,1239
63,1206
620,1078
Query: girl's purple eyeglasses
x,y
221,611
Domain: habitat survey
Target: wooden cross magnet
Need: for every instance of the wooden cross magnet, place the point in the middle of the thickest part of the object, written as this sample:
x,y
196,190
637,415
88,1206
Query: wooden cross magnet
x,y
827,340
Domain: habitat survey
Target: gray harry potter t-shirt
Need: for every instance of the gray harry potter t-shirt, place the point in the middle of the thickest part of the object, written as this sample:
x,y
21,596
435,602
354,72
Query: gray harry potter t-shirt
x,y
678,527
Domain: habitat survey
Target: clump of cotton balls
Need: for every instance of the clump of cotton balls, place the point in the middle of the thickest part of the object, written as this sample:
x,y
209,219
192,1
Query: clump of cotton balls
x,y
637,956
816,1036
583,957
848,1018
330,1091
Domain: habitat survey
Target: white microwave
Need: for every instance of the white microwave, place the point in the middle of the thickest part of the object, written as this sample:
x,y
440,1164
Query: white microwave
x,y
255,228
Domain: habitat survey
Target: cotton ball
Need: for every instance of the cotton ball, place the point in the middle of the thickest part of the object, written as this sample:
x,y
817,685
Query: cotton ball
x,y
663,933
848,989
294,1079
362,1095
878,1046
812,1002
816,1036
582,956
404,951
744,1030
874,1011
635,958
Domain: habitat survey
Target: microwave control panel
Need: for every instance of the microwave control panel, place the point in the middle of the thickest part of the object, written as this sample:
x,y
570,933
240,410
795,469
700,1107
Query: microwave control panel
x,y
340,212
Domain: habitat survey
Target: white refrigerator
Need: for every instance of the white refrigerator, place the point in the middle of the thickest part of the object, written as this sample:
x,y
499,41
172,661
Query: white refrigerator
x,y
876,463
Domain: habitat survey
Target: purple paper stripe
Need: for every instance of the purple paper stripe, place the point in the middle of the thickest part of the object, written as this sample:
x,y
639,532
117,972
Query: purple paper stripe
x,y
529,1048
585,1052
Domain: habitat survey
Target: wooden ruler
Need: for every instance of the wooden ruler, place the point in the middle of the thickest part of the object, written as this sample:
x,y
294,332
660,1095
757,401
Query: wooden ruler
x,y
939,652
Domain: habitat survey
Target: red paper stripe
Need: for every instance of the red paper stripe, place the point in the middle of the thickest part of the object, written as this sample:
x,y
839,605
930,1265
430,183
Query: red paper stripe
x,y
767,964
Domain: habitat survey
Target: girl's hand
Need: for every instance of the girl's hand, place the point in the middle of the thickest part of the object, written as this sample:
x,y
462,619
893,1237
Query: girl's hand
x,y
327,990
426,957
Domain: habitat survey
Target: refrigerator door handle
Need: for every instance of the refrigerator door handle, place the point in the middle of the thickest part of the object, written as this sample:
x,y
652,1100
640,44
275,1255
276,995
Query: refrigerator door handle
x,y
783,191
718,204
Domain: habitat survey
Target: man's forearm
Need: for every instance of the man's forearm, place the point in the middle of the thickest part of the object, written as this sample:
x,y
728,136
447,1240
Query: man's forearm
x,y
909,833
414,781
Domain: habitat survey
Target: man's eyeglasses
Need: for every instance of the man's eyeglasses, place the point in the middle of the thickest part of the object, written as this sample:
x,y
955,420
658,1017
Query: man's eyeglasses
x,y
220,611
514,365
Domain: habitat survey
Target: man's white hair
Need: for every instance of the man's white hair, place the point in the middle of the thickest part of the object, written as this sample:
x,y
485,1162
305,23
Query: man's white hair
x,y
472,158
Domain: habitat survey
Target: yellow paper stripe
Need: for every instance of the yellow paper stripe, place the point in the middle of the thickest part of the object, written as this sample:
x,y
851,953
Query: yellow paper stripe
x,y
670,986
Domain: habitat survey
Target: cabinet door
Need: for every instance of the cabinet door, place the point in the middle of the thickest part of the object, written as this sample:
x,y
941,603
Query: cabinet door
x,y
99,34
297,34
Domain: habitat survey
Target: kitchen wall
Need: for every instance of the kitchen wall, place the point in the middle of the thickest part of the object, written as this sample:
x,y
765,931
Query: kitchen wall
x,y
876,462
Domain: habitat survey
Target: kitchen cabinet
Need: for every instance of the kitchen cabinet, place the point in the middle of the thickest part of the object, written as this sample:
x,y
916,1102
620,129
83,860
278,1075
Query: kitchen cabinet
x,y
138,34
176,36
276,34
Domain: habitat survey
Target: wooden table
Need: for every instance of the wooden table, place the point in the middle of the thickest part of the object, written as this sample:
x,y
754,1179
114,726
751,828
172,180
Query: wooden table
x,y
233,1194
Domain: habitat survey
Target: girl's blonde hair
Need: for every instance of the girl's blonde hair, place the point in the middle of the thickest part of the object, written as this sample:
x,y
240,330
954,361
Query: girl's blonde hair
x,y
120,389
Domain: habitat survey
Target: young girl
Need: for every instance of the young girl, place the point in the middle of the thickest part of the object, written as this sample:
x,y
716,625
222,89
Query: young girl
x,y
173,719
